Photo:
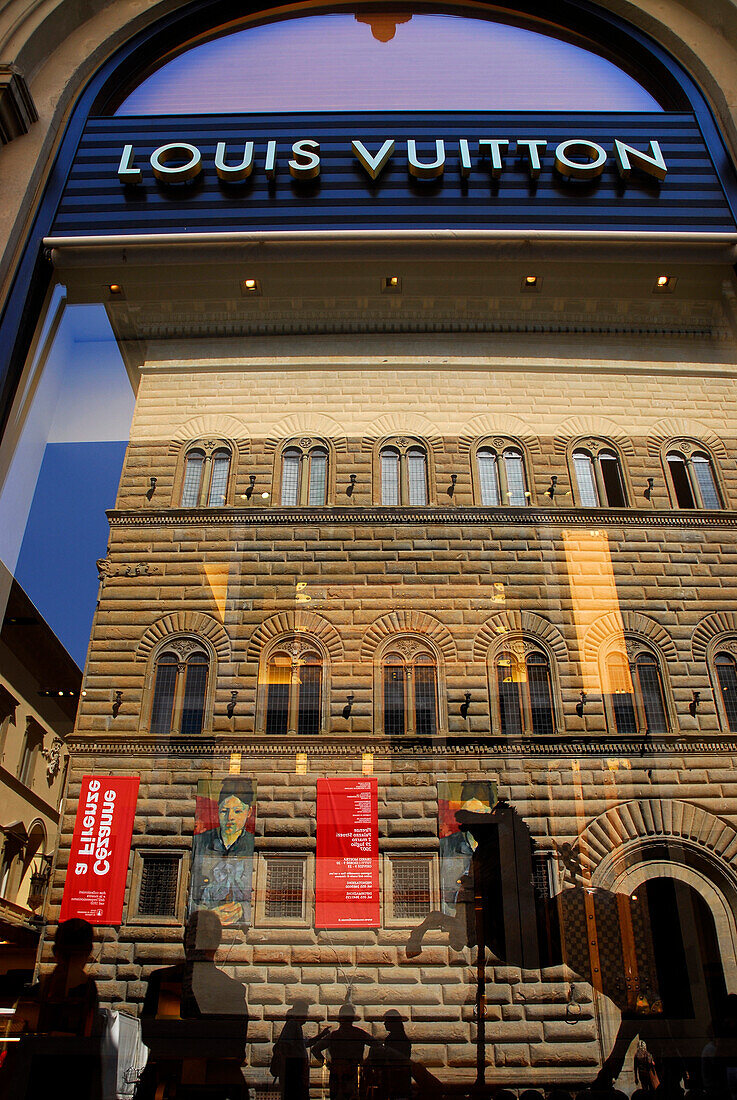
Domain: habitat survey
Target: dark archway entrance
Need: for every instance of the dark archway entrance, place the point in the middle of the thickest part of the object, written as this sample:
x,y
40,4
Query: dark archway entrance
x,y
690,975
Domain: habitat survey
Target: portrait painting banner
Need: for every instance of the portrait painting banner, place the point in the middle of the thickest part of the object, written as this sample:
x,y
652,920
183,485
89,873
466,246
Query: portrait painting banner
x,y
94,888
222,849
347,879
456,845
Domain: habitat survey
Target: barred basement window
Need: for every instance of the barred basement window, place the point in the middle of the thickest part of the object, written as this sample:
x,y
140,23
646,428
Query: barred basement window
x,y
157,896
411,888
285,881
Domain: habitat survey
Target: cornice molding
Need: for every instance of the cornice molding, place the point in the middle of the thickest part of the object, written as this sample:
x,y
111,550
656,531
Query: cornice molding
x,y
521,517
258,746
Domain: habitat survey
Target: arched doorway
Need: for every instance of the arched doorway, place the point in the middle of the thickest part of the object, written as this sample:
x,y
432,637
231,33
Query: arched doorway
x,y
690,975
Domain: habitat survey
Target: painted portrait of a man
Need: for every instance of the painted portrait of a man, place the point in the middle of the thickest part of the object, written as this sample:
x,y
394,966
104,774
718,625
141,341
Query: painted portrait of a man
x,y
456,845
222,850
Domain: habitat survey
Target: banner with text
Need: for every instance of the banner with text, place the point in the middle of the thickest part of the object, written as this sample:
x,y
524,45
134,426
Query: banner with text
x,y
98,862
347,887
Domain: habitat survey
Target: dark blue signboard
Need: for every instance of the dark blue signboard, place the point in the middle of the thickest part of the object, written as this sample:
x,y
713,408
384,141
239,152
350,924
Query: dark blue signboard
x,y
467,194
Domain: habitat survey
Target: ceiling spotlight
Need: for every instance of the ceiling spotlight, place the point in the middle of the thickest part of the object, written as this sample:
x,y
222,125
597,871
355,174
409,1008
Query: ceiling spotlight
x,y
392,283
251,286
115,288
665,283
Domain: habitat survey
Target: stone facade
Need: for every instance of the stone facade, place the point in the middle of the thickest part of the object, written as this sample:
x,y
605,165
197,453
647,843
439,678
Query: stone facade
x,y
460,576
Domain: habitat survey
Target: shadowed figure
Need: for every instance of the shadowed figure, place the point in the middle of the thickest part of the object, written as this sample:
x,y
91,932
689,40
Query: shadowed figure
x,y
605,938
194,1022
290,1060
345,1047
59,1026
388,1068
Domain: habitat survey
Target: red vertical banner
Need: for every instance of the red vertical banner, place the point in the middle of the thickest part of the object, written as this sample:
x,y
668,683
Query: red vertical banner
x,y
98,861
347,879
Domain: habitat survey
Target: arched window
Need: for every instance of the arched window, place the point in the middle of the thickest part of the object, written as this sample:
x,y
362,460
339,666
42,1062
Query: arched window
x,y
180,689
205,481
691,477
524,691
501,477
409,691
598,476
634,694
725,667
304,474
403,473
294,689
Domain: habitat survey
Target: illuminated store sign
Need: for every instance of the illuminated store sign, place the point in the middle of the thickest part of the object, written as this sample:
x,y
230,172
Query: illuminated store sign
x,y
642,172
177,162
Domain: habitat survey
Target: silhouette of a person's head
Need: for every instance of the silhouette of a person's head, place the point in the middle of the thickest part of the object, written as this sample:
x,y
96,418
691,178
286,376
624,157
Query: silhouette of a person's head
x,y
346,1014
73,941
203,935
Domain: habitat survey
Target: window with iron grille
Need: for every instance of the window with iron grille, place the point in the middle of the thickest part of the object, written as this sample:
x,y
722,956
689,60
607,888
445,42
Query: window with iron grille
x,y
285,881
157,895
543,879
411,892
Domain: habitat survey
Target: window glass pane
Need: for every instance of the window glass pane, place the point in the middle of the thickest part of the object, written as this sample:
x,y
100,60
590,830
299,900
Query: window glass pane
x,y
318,478
219,481
587,495
393,699
541,699
195,686
425,700
192,480
621,696
510,700
284,888
612,477
488,478
290,478
515,470
727,677
417,473
706,482
411,888
308,720
681,483
163,701
389,477
277,697
157,896
386,61
652,695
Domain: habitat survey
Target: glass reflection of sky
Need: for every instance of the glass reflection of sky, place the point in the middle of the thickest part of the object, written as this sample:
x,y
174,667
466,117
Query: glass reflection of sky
x,y
386,62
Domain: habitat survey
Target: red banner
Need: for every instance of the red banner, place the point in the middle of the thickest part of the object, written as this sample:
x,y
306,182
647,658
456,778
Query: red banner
x,y
347,880
98,860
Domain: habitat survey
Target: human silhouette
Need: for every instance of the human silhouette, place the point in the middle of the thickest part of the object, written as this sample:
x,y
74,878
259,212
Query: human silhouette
x,y
345,1046
290,1061
59,1027
194,1022
388,1067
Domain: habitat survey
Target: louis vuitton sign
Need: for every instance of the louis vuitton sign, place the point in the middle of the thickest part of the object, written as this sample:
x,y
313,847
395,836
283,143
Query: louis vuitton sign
x,y
579,171
578,158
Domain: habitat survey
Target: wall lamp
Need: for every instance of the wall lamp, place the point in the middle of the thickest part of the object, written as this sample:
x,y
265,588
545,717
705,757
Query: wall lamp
x,y
551,490
151,487
251,286
117,702
231,705
581,704
251,482
452,486
465,704
649,491
693,706
391,284
348,707
352,485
